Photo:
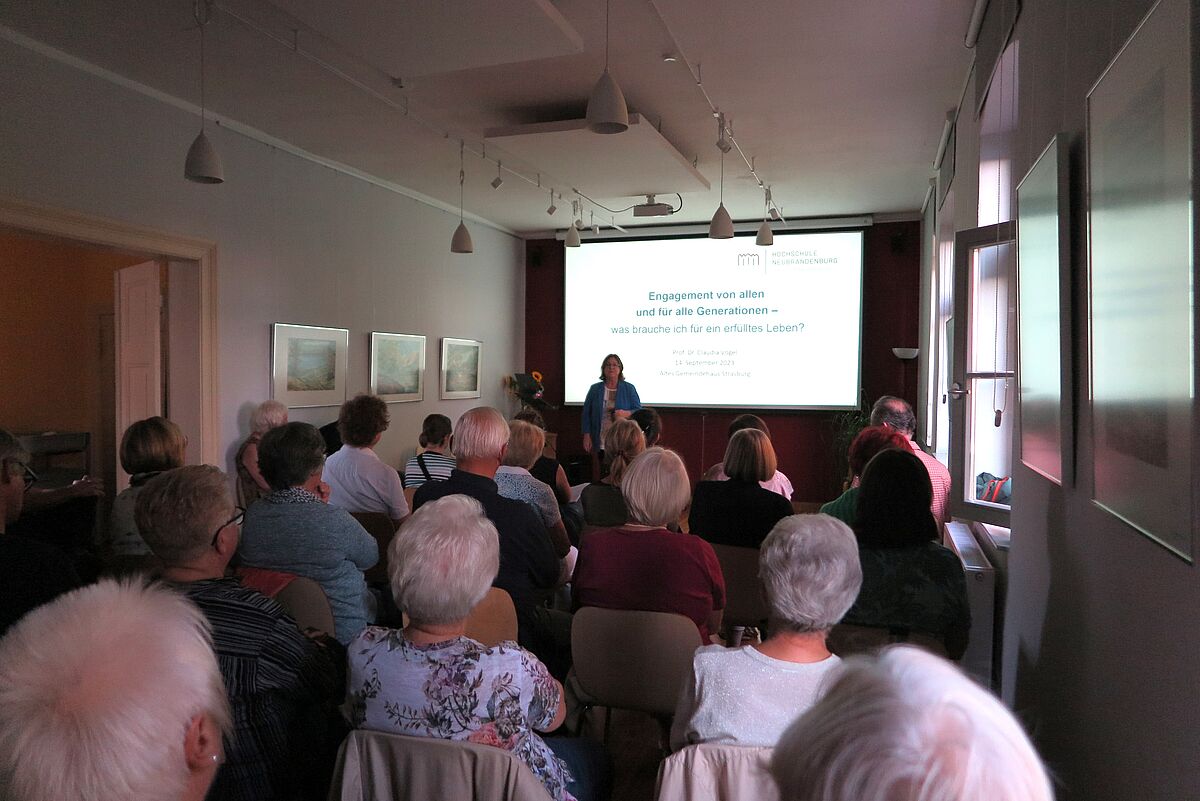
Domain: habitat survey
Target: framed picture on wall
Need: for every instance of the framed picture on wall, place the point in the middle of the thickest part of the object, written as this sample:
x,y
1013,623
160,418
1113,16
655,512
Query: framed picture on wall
x,y
1043,282
461,362
1141,315
308,365
398,366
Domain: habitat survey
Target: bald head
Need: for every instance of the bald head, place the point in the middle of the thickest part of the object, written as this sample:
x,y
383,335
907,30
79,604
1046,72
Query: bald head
x,y
894,413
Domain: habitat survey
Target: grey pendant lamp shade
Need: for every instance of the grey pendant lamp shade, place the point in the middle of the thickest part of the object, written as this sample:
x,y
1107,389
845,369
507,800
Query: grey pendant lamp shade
x,y
461,241
572,238
203,165
606,109
765,235
721,226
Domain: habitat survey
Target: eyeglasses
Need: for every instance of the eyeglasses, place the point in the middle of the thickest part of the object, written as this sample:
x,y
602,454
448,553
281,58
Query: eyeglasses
x,y
238,515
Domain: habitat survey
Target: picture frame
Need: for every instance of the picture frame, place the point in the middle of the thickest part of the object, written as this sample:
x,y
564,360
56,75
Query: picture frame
x,y
1044,372
461,366
309,365
397,367
1141,364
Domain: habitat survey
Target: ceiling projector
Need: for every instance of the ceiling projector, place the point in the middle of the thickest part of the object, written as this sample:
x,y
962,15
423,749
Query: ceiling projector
x,y
652,209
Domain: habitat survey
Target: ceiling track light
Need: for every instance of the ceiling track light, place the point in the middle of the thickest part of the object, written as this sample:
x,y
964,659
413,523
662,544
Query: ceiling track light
x,y
461,241
595,228
203,165
766,237
572,238
721,226
497,180
607,112
552,208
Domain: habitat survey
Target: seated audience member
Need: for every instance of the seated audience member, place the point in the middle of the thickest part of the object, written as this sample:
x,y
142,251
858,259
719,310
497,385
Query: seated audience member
x,y
870,441
739,511
282,685
651,424
907,725
895,413
31,573
602,502
148,447
911,583
513,480
251,485
547,468
295,530
750,695
358,479
431,680
641,565
110,692
529,565
435,462
778,482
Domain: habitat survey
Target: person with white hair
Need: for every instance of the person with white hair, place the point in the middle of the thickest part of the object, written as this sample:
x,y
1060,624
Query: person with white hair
x,y
431,680
906,725
529,561
644,566
251,485
31,572
283,686
749,695
110,692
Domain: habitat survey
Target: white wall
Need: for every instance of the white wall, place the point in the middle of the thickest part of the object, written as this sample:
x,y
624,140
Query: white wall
x,y
297,242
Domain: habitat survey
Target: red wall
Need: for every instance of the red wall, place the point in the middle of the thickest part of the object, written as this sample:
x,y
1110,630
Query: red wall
x,y
803,440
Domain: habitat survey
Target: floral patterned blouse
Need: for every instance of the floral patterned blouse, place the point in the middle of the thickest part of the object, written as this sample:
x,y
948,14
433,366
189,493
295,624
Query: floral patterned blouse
x,y
457,690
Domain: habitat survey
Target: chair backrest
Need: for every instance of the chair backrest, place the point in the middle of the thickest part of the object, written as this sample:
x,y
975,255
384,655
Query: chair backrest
x,y
494,619
632,660
305,601
846,639
381,527
711,772
745,604
376,765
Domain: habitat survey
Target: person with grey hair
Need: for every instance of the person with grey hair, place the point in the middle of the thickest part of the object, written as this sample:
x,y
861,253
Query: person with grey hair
x,y
748,696
295,530
431,680
643,565
529,560
31,573
906,725
251,485
283,686
896,414
111,692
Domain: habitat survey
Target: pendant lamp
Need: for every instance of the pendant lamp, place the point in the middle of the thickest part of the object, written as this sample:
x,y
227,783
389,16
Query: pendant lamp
x,y
572,238
765,237
203,165
461,241
721,226
606,109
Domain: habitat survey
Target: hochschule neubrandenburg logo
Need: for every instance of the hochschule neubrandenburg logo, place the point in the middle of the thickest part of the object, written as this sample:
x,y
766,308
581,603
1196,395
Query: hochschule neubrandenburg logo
x,y
748,260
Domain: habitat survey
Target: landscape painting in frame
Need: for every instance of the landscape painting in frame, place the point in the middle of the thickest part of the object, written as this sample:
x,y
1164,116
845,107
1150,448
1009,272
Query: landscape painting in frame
x,y
397,366
460,368
308,365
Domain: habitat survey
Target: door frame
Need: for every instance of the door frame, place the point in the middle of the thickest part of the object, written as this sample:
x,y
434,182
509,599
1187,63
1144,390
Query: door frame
x,y
93,230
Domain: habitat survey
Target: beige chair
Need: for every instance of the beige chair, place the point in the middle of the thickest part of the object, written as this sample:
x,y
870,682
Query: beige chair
x,y
381,527
711,772
375,766
305,601
846,639
494,619
745,603
632,660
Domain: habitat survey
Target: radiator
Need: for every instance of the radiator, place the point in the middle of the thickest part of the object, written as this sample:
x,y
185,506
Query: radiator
x,y
981,595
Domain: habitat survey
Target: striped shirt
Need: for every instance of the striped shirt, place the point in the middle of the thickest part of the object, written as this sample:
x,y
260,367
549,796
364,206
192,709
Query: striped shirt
x,y
439,467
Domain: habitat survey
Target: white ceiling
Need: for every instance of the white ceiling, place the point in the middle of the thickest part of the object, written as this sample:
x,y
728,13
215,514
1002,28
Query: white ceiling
x,y
841,104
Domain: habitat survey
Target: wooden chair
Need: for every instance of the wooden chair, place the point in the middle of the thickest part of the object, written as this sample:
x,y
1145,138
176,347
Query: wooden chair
x,y
712,772
847,638
305,601
745,602
632,660
494,619
376,765
379,526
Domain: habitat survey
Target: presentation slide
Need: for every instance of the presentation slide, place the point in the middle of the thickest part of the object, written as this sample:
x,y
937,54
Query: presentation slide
x,y
719,322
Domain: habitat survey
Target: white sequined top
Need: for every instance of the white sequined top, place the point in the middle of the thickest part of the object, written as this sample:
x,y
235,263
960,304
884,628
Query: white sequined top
x,y
740,696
